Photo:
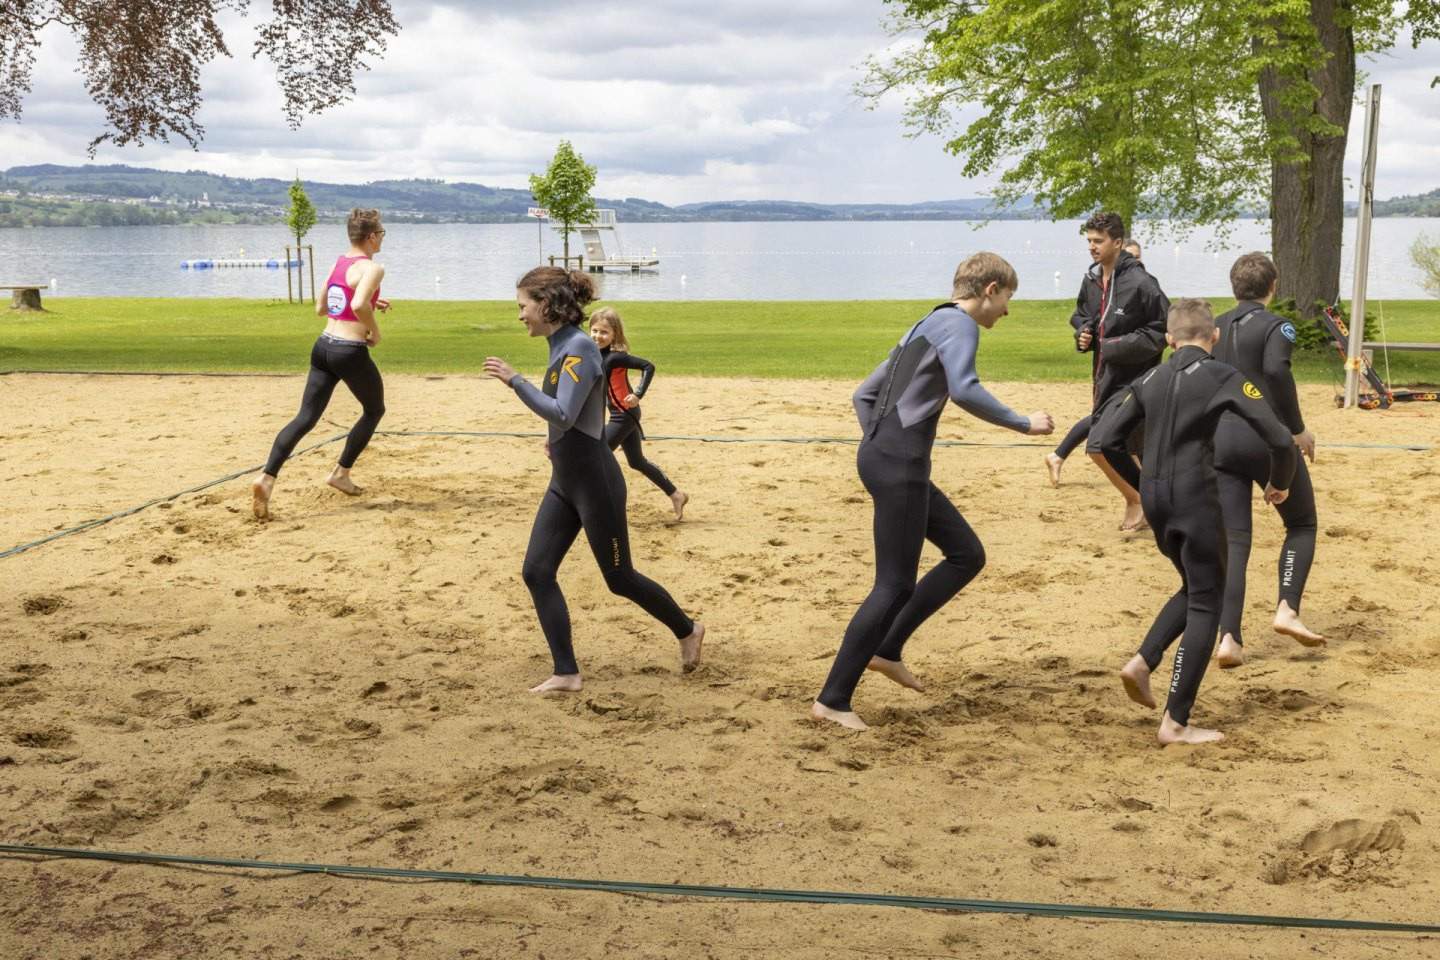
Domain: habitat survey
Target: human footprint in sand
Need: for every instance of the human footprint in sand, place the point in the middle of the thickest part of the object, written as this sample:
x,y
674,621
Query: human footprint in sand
x,y
899,405
340,355
1179,404
587,490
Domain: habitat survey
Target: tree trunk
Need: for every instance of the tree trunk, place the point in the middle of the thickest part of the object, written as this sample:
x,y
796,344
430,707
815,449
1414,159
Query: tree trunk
x,y
567,244
300,270
1307,205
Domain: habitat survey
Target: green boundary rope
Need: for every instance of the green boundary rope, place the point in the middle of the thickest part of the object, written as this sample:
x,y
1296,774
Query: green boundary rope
x,y
740,893
21,548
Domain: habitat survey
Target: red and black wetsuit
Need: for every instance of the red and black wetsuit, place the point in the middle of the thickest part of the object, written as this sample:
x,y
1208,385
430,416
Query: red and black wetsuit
x,y
623,430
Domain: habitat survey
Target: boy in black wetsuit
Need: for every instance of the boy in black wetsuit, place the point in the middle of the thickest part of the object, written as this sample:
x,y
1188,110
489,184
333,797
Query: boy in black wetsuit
x,y
1180,404
1259,343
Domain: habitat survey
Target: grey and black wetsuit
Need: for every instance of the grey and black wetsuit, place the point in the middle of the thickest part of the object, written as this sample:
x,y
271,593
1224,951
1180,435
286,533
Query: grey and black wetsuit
x,y
586,491
1259,344
623,430
899,406
1180,404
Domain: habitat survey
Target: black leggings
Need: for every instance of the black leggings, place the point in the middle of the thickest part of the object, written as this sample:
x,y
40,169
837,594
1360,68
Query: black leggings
x,y
1185,516
587,491
909,509
1243,463
1074,438
623,430
332,361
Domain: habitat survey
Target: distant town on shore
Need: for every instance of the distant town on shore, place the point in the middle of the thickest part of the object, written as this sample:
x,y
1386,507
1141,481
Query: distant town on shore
x,y
121,195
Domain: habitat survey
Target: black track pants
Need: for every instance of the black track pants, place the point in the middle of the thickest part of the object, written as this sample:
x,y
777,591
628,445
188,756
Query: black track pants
x,y
1242,463
623,430
334,361
894,465
587,492
1185,517
1074,438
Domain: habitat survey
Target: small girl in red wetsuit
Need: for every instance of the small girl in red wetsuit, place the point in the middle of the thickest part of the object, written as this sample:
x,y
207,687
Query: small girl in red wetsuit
x,y
341,354
623,430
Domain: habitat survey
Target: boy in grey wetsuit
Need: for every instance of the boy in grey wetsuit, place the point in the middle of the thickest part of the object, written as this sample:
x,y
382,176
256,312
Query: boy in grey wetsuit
x,y
899,406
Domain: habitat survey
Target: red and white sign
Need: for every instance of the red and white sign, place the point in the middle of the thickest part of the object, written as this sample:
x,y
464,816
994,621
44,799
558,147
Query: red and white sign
x,y
539,213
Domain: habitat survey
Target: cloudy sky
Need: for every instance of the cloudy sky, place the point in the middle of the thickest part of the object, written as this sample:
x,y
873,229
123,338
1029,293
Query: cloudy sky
x,y
676,101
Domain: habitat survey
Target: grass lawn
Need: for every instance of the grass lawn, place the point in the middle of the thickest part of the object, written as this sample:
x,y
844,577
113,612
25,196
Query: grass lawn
x,y
839,339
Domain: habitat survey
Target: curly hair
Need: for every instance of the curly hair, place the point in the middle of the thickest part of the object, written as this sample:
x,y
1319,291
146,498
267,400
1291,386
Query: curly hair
x,y
1109,223
562,294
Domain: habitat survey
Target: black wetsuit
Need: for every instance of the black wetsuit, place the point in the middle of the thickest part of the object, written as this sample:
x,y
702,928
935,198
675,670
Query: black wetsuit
x,y
1180,404
334,360
623,430
1259,344
1126,321
586,491
899,406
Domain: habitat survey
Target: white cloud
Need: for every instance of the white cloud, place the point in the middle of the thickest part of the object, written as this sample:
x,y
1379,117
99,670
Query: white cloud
x,y
683,101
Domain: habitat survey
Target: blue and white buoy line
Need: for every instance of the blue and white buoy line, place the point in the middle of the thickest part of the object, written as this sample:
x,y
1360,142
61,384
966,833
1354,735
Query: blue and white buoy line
x,y
215,264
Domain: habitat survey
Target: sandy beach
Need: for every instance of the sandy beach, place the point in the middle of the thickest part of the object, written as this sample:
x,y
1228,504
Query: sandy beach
x,y
347,684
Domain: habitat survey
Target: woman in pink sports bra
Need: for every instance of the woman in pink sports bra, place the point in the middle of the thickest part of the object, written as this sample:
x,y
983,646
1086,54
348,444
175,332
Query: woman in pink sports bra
x,y
341,354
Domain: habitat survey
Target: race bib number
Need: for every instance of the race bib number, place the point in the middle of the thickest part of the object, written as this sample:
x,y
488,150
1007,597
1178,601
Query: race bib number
x,y
335,300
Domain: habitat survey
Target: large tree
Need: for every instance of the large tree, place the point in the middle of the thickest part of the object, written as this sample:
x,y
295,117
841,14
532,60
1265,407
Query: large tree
x,y
141,59
1194,112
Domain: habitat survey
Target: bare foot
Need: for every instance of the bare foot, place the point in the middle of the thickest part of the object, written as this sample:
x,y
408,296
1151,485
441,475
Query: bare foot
x,y
1172,732
1287,621
564,682
340,480
897,671
1231,654
690,648
1134,517
1136,677
679,498
260,492
846,718
1053,463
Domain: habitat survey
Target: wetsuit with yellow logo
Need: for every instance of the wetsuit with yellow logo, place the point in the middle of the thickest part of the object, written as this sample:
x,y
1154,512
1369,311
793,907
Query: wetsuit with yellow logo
x,y
1180,403
1259,344
586,492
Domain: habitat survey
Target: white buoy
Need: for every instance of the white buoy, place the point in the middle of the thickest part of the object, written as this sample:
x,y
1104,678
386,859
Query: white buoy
x,y
1057,276
683,278
1177,249
242,253
437,279
53,284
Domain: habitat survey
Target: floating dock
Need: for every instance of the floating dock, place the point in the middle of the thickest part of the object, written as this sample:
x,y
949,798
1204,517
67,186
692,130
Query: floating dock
x,y
592,234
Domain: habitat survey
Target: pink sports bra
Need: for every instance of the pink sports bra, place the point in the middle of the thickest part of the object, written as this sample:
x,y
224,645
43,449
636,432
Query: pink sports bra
x,y
339,294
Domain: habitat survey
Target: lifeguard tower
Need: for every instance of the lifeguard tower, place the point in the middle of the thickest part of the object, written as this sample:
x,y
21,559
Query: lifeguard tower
x,y
594,235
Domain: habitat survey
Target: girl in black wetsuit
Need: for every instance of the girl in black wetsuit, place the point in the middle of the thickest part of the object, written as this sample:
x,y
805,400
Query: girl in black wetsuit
x,y
587,490
623,430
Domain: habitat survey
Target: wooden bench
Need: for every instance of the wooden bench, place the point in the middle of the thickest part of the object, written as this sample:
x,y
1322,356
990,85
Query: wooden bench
x,y
25,296
1382,345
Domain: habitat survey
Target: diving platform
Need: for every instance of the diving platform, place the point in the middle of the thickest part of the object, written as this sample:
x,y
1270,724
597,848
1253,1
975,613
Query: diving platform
x,y
601,231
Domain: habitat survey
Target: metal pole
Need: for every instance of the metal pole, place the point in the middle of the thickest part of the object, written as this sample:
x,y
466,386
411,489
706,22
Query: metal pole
x,y
540,238
289,282
1362,244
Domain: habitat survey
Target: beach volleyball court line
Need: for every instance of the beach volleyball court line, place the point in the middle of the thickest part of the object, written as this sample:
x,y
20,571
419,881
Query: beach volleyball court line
x,y
852,441
1086,911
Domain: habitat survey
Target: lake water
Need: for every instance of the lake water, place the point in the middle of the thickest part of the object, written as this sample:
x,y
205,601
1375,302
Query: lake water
x,y
698,261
